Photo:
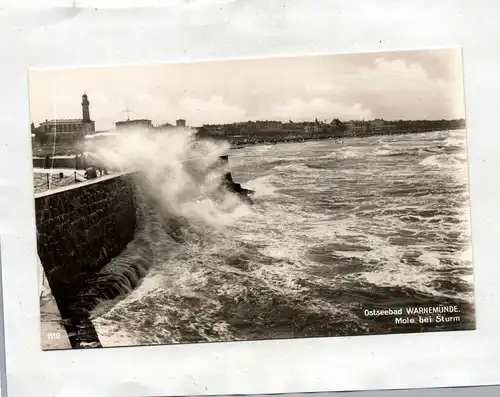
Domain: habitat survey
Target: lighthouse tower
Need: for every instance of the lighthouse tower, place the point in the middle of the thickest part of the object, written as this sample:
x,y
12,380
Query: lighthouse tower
x,y
85,108
88,126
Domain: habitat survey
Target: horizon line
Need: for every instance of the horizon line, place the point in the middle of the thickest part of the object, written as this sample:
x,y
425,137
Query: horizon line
x,y
270,120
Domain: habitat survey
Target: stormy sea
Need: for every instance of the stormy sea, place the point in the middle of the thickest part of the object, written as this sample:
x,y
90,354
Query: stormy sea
x,y
337,228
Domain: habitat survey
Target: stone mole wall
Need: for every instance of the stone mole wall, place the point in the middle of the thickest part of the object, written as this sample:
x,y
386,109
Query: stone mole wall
x,y
39,162
80,228
66,162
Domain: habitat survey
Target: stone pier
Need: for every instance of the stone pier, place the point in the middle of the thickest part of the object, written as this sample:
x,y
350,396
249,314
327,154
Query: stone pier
x,y
80,228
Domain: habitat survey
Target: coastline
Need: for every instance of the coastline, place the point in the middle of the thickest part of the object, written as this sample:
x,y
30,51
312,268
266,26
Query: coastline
x,y
295,139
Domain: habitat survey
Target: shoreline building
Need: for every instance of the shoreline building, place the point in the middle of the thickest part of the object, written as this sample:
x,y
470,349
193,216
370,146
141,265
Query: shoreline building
x,y
67,130
147,125
266,127
165,127
380,126
130,124
356,127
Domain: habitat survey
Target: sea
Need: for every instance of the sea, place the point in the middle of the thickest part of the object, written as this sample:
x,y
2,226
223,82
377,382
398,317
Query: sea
x,y
338,228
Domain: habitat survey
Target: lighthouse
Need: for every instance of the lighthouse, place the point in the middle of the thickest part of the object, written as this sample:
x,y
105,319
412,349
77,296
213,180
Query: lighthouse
x,y
85,108
88,126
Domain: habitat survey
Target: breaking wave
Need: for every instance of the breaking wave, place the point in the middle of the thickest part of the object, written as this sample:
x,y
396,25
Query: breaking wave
x,y
179,175
329,235
444,160
178,195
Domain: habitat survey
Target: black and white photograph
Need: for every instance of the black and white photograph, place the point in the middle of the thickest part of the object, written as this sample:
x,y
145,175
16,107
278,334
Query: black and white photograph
x,y
252,199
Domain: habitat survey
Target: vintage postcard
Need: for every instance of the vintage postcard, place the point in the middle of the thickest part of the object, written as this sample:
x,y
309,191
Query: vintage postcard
x,y
313,196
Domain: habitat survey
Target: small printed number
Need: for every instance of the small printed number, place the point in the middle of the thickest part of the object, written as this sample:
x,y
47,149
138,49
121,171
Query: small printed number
x,y
53,335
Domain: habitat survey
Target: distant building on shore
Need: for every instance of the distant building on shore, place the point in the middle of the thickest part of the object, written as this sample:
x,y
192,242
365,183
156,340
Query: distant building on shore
x,y
146,124
268,127
130,124
208,130
165,127
68,131
378,126
180,123
292,128
356,128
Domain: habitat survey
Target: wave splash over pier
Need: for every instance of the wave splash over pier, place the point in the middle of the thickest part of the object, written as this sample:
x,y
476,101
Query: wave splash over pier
x,y
179,198
337,228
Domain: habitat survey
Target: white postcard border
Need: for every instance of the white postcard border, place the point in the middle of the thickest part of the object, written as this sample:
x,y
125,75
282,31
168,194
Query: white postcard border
x,y
90,37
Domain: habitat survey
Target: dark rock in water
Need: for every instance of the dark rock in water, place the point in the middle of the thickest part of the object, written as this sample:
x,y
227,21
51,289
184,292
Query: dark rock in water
x,y
233,187
236,188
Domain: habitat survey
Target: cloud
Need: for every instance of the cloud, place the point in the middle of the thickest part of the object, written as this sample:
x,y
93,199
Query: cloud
x,y
396,89
320,108
389,86
212,111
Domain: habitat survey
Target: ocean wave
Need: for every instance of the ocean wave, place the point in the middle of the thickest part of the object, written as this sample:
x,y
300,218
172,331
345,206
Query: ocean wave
x,y
316,245
456,141
263,186
445,160
419,151
293,167
383,152
348,153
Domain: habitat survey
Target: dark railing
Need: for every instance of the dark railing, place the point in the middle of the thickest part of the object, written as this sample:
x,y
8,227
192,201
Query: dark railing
x,y
52,180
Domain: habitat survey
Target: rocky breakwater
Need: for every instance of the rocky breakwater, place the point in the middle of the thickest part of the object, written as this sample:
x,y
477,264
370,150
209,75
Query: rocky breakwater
x,y
80,228
228,183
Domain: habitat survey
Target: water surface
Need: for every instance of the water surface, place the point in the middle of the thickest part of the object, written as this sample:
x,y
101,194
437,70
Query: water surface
x,y
337,227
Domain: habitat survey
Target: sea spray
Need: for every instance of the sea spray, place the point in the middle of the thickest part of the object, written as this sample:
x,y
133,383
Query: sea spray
x,y
318,249
177,188
180,175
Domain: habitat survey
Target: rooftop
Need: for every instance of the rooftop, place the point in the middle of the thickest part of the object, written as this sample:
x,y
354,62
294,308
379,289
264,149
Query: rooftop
x,y
133,121
62,121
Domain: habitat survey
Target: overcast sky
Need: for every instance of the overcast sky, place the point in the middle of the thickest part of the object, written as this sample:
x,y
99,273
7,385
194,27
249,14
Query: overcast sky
x,y
391,85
